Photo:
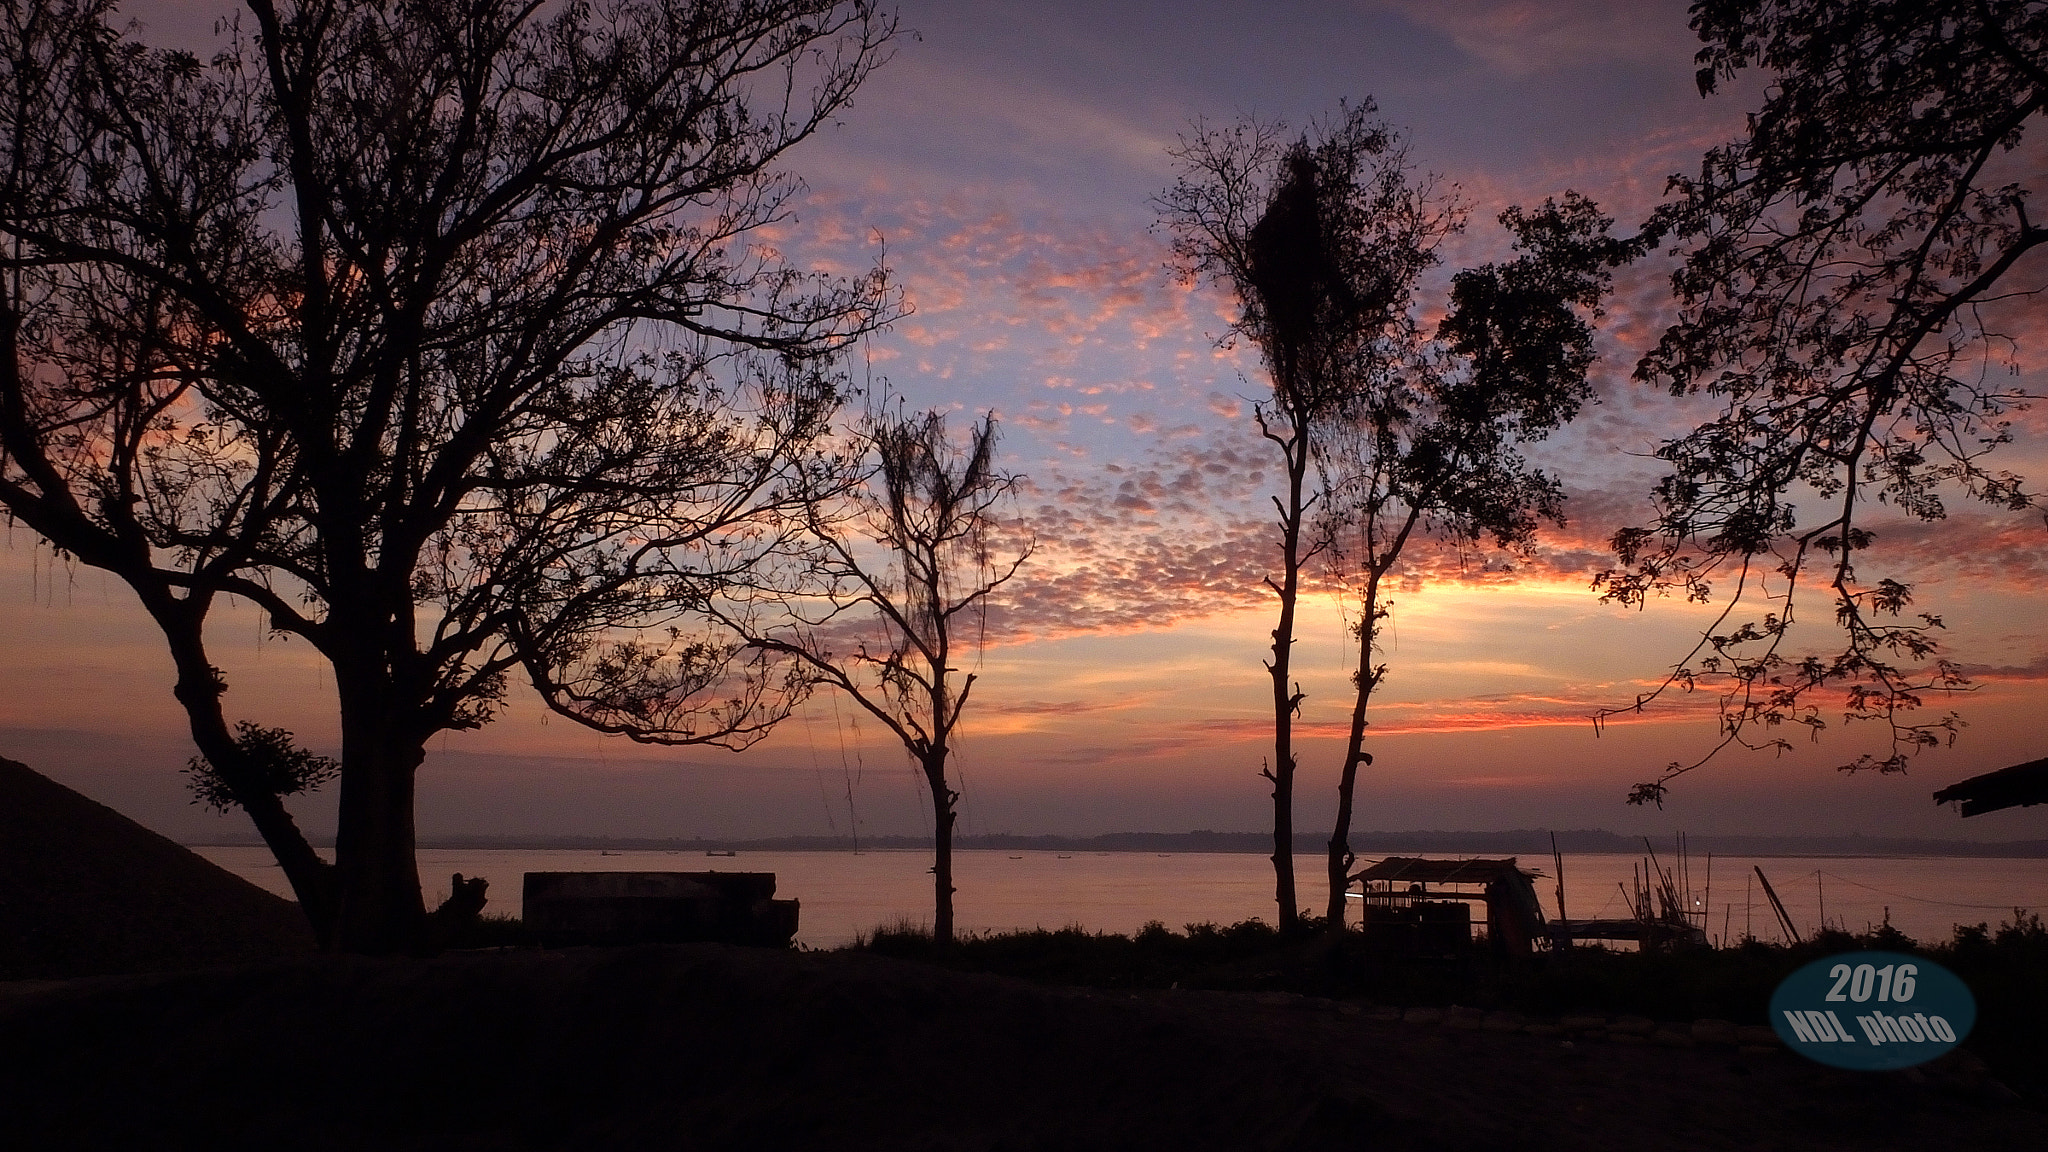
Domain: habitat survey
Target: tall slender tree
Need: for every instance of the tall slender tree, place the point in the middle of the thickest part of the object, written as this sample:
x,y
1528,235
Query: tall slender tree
x,y
1308,231
1854,268
896,596
1426,445
433,329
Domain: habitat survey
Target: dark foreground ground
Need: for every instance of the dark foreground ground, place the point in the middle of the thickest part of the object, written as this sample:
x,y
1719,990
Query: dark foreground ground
x,y
707,1046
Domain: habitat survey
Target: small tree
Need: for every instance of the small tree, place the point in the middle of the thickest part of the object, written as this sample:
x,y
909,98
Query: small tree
x,y
1426,446
1847,266
433,330
1316,237
895,594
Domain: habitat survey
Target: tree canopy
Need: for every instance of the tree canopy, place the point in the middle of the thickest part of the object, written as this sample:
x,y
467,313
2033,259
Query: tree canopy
x,y
435,330
1852,273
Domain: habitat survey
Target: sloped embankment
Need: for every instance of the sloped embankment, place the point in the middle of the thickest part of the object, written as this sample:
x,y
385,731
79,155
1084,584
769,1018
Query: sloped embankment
x,y
85,891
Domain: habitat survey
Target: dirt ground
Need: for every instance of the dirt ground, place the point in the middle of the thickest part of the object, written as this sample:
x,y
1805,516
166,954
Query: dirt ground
x,y
707,1046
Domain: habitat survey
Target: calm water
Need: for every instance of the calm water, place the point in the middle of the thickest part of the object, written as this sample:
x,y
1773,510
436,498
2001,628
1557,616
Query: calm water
x,y
844,894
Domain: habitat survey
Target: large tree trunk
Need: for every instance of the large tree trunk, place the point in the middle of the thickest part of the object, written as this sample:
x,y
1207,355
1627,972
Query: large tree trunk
x,y
380,907
942,847
1286,698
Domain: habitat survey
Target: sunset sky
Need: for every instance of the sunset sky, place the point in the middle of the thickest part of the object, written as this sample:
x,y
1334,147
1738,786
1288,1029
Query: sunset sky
x,y
1007,158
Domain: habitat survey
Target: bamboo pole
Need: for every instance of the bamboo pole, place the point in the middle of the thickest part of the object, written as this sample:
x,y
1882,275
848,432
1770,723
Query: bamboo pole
x,y
1558,858
1783,917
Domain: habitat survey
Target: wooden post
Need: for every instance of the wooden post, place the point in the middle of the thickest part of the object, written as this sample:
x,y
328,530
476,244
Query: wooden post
x,y
1685,877
1707,905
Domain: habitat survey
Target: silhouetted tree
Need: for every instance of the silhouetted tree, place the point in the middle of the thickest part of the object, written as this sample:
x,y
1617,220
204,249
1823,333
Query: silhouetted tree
x,y
433,329
1425,443
1312,237
895,594
1848,265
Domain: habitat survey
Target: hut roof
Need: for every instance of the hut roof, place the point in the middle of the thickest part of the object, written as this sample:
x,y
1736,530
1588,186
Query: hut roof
x,y
1439,871
2014,787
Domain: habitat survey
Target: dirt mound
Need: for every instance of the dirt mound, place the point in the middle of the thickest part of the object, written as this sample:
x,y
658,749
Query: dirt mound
x,y
712,1046
84,890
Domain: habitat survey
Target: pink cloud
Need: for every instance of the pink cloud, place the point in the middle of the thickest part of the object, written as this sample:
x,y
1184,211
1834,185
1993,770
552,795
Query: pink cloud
x,y
1519,38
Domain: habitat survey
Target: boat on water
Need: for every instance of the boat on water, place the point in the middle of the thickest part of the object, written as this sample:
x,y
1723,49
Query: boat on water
x,y
725,852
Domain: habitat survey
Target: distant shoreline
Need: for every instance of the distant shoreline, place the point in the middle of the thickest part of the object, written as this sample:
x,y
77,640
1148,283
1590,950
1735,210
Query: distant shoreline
x,y
1517,842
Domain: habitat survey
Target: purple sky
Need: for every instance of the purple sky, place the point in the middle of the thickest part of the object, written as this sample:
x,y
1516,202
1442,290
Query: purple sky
x,y
1007,158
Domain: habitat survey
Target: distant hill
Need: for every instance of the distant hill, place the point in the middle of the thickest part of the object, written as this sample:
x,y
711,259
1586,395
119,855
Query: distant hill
x,y
86,891
1514,842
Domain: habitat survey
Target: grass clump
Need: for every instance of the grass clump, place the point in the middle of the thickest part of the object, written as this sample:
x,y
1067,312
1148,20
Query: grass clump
x,y
1155,957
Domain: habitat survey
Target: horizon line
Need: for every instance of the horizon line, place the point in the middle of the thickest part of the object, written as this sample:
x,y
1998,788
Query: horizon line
x,y
1595,841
